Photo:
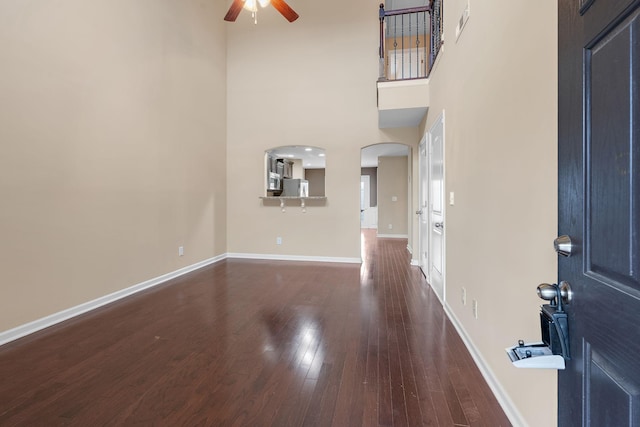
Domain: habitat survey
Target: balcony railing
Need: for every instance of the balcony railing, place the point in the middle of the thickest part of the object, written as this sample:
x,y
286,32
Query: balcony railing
x,y
409,41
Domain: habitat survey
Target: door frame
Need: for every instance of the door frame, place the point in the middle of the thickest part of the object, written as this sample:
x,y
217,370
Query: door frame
x,y
439,121
366,220
384,150
423,207
399,72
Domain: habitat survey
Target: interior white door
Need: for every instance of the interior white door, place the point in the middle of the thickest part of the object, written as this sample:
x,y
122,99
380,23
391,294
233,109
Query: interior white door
x,y
423,209
368,215
406,64
436,207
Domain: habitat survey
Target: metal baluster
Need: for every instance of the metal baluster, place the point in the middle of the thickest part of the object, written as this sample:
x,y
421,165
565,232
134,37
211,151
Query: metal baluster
x,y
398,66
381,68
417,45
426,58
395,48
409,37
402,44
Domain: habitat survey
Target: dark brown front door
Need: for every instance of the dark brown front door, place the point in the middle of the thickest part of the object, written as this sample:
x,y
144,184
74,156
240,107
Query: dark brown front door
x,y
599,209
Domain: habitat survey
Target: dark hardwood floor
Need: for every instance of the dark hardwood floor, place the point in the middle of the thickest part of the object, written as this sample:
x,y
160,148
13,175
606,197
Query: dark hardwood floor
x,y
256,343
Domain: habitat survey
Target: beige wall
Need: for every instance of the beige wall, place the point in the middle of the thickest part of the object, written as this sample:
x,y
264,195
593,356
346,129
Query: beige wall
x,y
413,52
297,169
113,129
406,43
372,173
497,85
393,195
311,82
316,181
117,126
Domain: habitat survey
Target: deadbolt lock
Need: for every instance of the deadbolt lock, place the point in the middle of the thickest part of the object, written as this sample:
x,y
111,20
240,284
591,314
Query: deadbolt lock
x,y
563,245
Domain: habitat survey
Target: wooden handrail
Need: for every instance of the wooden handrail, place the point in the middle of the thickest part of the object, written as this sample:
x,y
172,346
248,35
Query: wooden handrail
x,y
407,10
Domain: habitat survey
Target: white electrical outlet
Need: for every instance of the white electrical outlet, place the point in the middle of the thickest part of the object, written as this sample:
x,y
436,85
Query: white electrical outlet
x,y
464,296
278,240
451,198
390,226
474,305
180,250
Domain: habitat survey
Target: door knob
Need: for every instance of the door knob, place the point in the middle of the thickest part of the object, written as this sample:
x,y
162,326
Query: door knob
x,y
563,245
550,292
419,212
439,225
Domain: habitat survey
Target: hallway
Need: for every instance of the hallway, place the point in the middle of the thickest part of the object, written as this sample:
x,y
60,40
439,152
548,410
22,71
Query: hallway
x,y
257,343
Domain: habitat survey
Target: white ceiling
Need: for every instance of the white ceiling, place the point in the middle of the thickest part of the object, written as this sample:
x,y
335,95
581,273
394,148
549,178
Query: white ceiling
x,y
401,117
313,157
403,4
370,154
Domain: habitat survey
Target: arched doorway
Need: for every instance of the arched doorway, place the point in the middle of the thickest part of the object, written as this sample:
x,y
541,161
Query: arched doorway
x,y
385,194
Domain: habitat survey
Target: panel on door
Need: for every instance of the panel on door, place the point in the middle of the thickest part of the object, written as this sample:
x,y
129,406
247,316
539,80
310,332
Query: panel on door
x,y
599,208
436,208
423,212
365,202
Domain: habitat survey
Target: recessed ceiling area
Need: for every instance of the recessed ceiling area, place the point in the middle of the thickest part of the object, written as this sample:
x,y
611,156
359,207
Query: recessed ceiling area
x,y
401,117
312,157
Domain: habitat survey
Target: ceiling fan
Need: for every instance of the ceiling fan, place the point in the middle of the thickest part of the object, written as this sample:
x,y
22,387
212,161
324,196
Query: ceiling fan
x,y
252,5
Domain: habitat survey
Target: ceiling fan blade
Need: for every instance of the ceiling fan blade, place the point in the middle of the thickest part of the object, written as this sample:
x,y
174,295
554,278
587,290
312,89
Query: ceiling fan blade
x,y
285,10
234,10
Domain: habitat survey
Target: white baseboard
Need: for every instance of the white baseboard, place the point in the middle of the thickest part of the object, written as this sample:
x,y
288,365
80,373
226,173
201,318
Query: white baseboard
x,y
393,236
61,316
23,330
414,262
295,258
510,410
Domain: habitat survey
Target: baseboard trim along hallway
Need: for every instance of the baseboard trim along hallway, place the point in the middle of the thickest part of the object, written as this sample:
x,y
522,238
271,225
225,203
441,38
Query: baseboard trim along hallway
x,y
515,417
270,257
61,316
257,342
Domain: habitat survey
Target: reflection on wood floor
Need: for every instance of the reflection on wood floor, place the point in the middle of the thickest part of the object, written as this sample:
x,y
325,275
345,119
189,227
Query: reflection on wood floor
x,y
256,343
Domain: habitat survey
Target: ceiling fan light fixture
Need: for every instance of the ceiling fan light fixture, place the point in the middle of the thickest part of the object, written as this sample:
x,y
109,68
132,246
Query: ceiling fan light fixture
x,y
252,5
